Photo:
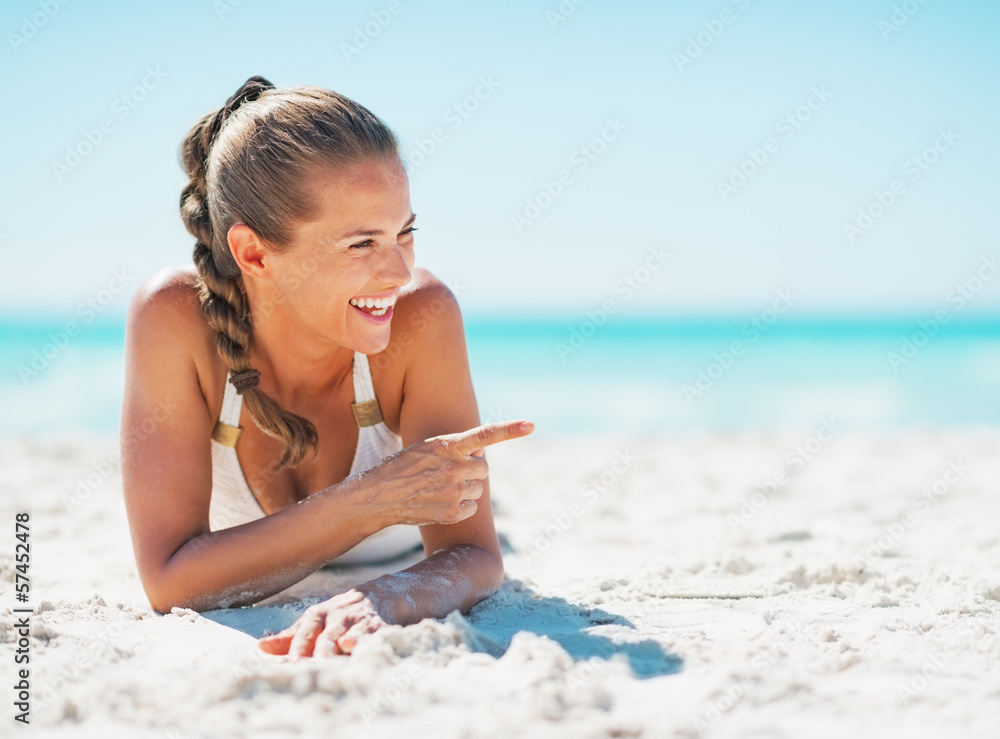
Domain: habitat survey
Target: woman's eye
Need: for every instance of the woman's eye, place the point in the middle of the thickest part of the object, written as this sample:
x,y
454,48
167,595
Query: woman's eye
x,y
368,242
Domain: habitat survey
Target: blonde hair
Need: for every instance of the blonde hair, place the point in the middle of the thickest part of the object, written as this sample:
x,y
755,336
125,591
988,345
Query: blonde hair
x,y
250,162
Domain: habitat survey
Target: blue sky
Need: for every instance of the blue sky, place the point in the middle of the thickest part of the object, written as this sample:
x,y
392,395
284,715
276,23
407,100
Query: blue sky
x,y
865,99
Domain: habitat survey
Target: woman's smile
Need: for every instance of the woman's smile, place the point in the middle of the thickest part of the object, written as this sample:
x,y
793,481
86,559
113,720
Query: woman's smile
x,y
377,309
379,317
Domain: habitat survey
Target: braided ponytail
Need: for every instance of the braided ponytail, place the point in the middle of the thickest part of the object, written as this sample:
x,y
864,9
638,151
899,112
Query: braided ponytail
x,y
291,132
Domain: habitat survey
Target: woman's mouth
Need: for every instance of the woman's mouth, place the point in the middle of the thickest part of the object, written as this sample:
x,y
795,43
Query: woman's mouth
x,y
377,310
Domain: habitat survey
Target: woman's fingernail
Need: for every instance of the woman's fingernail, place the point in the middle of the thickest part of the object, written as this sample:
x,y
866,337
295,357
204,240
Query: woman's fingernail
x,y
527,426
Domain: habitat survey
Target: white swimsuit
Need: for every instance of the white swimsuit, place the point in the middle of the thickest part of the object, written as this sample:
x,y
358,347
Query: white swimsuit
x,y
233,503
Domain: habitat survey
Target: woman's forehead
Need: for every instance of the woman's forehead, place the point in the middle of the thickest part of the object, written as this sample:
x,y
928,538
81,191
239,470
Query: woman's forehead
x,y
360,178
361,197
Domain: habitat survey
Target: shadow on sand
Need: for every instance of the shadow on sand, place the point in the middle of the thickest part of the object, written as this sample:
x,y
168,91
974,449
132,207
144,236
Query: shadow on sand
x,y
516,609
489,627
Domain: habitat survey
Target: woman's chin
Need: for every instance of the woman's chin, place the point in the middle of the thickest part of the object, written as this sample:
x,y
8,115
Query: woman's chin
x,y
374,341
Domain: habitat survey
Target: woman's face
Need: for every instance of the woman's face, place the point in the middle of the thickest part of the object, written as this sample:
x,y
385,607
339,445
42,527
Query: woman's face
x,y
359,249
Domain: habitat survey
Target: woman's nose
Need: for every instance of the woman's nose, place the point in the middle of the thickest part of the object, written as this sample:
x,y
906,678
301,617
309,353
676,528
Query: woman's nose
x,y
394,268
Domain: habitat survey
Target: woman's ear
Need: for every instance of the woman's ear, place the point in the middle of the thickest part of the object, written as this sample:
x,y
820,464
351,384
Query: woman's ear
x,y
247,250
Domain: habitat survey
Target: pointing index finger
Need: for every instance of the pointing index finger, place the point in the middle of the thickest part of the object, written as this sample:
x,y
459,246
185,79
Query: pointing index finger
x,y
480,437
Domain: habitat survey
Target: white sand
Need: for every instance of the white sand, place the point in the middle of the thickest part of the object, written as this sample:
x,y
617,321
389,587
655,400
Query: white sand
x,y
650,612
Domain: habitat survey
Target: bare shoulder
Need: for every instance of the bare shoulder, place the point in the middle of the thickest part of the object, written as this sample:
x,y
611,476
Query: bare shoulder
x,y
167,305
425,298
172,289
165,320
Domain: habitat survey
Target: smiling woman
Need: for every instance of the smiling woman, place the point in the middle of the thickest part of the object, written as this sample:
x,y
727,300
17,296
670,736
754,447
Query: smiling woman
x,y
284,451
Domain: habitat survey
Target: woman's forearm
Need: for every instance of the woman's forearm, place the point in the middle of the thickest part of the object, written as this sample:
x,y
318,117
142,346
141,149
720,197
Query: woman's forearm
x,y
457,577
246,563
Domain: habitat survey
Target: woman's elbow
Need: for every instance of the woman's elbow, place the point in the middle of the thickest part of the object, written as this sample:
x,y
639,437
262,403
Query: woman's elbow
x,y
495,572
162,598
485,572
164,601
162,591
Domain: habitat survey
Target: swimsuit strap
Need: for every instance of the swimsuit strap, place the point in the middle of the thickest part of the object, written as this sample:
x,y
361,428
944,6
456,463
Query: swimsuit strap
x,y
227,429
365,407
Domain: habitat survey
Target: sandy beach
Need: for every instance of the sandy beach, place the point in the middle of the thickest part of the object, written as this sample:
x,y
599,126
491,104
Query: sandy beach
x,y
761,585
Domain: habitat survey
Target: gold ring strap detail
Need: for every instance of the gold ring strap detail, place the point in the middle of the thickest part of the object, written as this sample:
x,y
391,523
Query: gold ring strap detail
x,y
225,434
367,413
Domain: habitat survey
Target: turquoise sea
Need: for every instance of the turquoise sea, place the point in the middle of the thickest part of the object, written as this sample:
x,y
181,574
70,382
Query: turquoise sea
x,y
572,377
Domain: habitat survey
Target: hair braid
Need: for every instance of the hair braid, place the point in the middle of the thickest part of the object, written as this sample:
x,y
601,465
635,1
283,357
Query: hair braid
x,y
220,282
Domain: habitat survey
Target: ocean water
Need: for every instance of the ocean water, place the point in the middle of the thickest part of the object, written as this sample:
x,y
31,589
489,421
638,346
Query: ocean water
x,y
572,377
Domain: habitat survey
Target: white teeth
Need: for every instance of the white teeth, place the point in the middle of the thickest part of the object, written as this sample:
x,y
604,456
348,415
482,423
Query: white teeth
x,y
374,302
379,312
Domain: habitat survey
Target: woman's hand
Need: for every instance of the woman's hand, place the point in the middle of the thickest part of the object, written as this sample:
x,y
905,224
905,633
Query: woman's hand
x,y
329,628
437,480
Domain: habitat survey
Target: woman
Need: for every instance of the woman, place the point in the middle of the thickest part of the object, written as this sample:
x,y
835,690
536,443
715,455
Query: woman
x,y
248,381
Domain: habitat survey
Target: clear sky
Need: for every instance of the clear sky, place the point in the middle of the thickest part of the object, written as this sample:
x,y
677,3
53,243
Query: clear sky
x,y
832,100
